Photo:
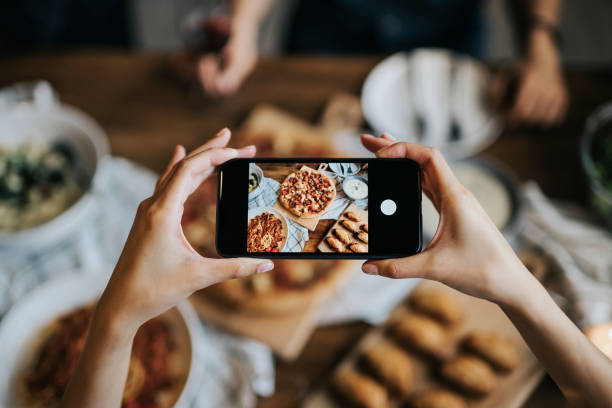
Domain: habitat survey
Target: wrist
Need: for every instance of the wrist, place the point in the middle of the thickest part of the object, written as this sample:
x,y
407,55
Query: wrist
x,y
515,281
110,327
116,318
244,29
542,50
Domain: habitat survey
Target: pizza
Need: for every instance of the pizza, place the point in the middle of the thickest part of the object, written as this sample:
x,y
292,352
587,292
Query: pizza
x,y
265,233
289,288
307,193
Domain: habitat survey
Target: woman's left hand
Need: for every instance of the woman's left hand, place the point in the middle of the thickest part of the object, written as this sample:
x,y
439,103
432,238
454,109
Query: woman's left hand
x,y
158,267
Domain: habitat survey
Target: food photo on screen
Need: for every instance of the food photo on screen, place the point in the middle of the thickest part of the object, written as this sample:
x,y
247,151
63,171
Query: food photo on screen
x,y
308,207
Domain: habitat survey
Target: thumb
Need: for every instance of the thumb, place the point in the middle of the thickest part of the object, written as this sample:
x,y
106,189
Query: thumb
x,y
219,270
415,266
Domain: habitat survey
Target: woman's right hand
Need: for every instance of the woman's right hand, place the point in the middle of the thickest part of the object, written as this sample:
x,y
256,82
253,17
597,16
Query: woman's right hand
x,y
467,251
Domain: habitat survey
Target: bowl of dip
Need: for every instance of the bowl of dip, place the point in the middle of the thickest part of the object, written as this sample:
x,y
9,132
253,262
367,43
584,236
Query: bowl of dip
x,y
256,178
355,187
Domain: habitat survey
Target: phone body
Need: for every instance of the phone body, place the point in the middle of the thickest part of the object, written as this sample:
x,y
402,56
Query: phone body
x,y
289,208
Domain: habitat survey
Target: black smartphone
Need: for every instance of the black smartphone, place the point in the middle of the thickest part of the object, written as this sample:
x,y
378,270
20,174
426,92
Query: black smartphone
x,y
319,208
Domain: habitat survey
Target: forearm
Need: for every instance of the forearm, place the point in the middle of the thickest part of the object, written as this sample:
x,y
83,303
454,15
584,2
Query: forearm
x,y
582,372
543,17
101,372
247,15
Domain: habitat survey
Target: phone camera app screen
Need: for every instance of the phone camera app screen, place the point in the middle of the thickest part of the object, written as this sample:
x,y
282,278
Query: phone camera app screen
x,y
308,207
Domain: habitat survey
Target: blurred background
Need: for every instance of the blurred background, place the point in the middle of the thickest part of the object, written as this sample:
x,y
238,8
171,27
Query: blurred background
x,y
155,25
94,96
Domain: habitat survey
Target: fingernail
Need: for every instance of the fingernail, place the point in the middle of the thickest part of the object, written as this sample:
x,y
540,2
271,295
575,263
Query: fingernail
x,y
265,267
370,269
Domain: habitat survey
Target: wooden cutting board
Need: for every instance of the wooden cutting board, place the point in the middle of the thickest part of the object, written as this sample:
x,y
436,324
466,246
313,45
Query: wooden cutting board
x,y
512,389
285,334
363,214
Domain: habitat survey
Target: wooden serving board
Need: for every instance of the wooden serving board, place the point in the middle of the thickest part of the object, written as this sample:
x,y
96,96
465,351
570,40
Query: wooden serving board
x,y
309,223
286,334
512,389
363,214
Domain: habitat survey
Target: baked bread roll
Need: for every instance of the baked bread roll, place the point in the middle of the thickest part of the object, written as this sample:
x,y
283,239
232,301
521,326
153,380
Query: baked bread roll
x,y
363,237
334,244
359,390
437,304
352,216
421,333
343,235
391,366
470,373
495,348
359,248
350,225
438,398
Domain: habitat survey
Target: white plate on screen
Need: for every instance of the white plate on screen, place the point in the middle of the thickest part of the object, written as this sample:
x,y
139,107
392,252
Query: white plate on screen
x,y
407,90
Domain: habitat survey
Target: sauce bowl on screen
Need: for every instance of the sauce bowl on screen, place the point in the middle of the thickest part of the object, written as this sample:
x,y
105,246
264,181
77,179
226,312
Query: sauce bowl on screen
x,y
351,184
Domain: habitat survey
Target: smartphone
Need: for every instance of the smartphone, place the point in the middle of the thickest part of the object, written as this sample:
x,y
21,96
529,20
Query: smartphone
x,y
319,208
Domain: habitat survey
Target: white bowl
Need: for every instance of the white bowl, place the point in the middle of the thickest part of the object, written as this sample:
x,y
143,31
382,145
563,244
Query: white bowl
x,y
45,120
25,320
433,89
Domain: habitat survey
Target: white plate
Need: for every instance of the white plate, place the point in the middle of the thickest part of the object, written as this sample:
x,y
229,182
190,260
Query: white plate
x,y
388,104
260,210
22,324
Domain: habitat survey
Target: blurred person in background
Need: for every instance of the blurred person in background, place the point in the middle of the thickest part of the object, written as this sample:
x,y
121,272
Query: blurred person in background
x,y
387,26
35,25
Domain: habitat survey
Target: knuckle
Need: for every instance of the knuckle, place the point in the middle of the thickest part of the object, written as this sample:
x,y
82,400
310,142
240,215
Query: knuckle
x,y
393,271
435,155
144,205
152,215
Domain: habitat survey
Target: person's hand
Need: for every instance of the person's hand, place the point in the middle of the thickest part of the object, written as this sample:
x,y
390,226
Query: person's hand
x,y
467,251
158,267
222,74
541,97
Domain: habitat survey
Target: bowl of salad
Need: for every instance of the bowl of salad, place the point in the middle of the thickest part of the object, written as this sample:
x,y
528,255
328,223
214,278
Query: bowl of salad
x,y
49,156
596,157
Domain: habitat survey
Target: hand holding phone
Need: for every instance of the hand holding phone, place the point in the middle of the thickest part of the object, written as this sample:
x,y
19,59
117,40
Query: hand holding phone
x,y
319,208
467,251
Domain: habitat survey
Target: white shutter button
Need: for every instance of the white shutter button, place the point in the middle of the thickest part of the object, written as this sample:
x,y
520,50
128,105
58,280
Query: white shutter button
x,y
388,207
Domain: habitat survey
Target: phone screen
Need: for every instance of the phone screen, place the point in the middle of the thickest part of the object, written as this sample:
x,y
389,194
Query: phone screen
x,y
319,208
307,207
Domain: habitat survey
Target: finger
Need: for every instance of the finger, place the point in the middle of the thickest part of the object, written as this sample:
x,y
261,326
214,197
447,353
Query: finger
x,y
231,78
438,180
190,172
388,137
177,155
523,107
221,139
219,270
550,112
416,266
208,71
373,143
247,151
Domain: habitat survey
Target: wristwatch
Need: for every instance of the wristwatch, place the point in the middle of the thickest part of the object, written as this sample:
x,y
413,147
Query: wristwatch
x,y
538,23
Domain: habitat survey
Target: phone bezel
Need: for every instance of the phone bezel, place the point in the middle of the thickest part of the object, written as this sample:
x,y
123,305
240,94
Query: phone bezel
x,y
239,205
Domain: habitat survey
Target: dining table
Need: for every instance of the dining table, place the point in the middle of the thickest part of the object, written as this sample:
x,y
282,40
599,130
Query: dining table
x,y
146,109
